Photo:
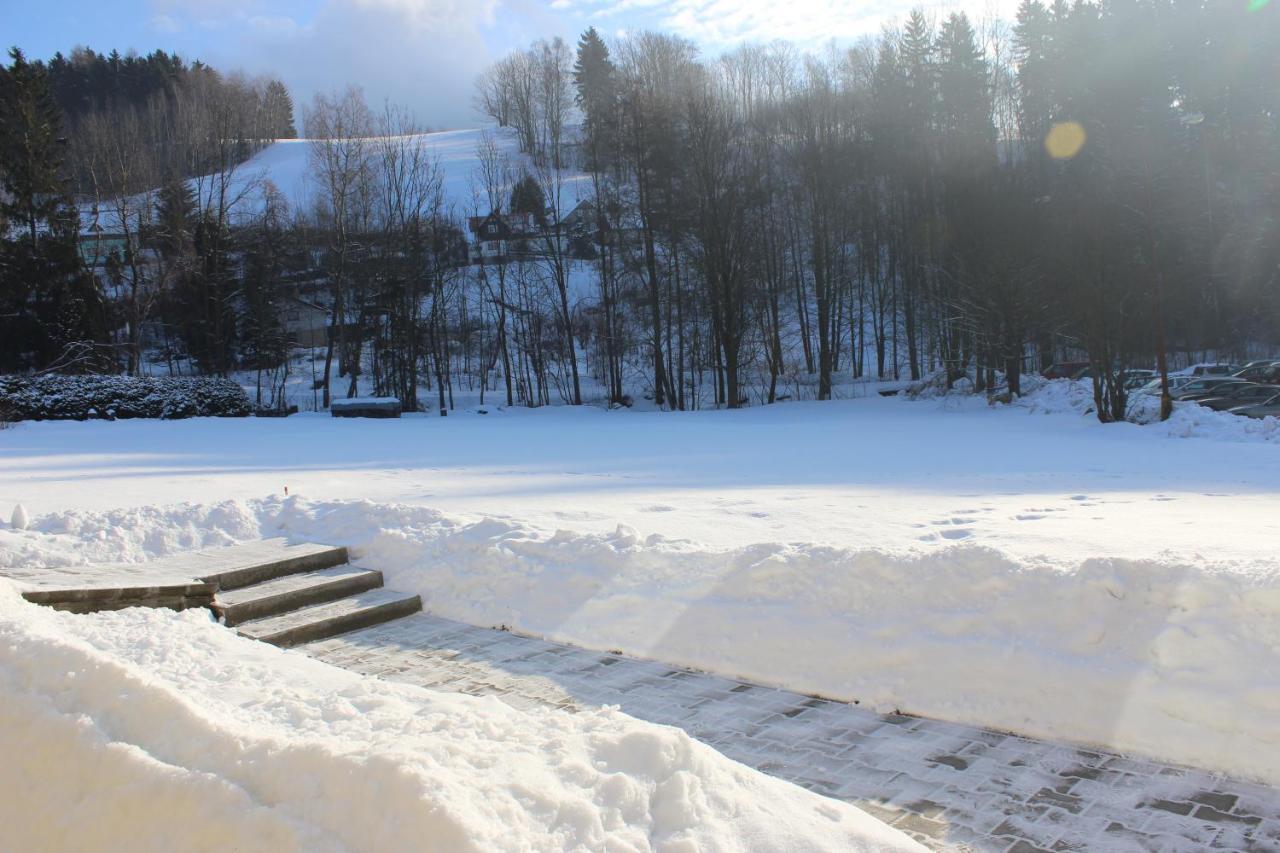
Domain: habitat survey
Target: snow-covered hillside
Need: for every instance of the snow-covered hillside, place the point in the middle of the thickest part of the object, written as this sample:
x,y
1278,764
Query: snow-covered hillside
x,y
285,164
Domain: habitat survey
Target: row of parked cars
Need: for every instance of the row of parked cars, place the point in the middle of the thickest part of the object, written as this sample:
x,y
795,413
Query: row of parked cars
x,y
1252,390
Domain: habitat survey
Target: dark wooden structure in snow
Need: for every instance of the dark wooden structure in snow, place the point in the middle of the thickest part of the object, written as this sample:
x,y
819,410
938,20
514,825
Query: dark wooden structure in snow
x,y
366,407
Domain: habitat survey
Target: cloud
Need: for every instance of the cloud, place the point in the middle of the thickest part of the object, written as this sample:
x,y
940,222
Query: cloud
x,y
421,54
425,54
164,24
719,24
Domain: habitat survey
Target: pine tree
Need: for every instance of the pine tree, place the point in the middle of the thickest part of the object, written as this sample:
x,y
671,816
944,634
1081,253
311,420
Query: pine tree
x,y
917,53
31,147
176,214
1032,44
51,310
964,89
278,106
527,197
593,78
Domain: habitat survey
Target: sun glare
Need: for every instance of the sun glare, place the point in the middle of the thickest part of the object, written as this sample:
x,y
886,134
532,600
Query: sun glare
x,y
1065,140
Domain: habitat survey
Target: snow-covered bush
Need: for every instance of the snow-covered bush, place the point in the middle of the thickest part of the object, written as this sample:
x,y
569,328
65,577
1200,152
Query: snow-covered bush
x,y
56,397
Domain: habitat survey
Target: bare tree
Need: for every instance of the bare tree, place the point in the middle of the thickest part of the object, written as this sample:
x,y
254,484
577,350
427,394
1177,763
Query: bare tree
x,y
338,126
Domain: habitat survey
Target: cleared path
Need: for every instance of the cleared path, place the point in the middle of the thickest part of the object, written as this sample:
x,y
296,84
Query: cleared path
x,y
951,786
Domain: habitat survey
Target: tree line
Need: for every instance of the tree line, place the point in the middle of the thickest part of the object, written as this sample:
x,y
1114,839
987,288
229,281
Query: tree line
x,y
946,202
1096,178
96,153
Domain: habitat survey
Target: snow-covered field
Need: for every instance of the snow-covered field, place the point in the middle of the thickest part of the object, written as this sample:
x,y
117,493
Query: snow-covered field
x,y
1021,567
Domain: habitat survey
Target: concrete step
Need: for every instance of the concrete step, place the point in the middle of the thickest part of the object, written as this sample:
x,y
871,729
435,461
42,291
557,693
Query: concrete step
x,y
292,592
245,565
179,596
372,607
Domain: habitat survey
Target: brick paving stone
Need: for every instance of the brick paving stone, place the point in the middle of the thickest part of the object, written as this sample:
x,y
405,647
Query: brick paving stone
x,y
950,786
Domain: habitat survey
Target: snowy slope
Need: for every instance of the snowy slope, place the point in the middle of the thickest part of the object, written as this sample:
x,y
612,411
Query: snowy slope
x,y
284,164
171,732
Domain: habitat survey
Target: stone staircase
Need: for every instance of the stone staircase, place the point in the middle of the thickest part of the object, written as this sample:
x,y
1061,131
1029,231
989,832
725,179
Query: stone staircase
x,y
291,594
267,590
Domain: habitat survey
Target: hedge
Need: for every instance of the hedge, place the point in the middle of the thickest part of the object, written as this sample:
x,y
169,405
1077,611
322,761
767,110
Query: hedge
x,y
54,397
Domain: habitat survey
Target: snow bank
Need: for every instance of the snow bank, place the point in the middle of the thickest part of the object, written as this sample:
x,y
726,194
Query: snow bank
x,y
1171,659
1189,420
150,730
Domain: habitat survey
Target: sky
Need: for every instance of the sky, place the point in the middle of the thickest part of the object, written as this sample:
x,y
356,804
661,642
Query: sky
x,y
425,54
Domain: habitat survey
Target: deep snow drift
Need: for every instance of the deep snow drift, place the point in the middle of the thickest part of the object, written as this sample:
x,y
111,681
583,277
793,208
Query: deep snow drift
x,y
151,727
1020,567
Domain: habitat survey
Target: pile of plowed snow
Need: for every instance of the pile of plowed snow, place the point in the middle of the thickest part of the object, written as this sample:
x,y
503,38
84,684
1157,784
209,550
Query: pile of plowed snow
x,y
1189,419
148,730
1178,660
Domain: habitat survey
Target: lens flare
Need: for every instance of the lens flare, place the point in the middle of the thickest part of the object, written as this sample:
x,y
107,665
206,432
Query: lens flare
x,y
1065,140
1255,5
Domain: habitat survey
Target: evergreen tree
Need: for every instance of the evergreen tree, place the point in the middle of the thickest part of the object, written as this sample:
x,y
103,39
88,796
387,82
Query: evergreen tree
x,y
1032,40
176,215
920,92
31,148
51,311
596,95
964,90
527,197
278,106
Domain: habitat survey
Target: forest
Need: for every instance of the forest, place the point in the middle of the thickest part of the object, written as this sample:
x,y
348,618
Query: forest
x,y
954,201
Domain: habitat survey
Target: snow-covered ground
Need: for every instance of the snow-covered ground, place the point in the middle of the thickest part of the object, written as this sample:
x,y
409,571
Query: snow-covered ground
x,y
142,730
1040,483
285,164
1021,567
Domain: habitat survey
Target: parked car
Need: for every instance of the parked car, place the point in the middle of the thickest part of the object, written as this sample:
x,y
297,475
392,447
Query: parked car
x,y
1205,387
1260,371
1135,379
1244,395
1213,368
1064,369
1175,382
1131,379
1271,408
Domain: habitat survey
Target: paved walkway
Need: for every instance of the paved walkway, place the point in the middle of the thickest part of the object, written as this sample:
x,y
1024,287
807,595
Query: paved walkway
x,y
953,787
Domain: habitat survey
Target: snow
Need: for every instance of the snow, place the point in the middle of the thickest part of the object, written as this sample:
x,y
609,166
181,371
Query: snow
x,y
285,164
1040,485
154,727
1019,566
